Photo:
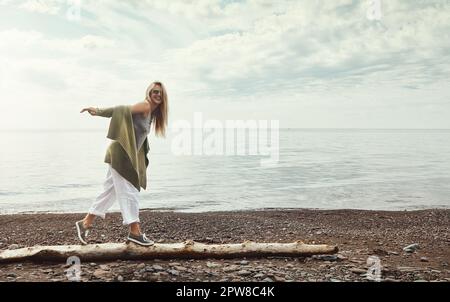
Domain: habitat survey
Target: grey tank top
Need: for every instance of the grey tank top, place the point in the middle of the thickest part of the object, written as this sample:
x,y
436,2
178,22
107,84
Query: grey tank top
x,y
141,125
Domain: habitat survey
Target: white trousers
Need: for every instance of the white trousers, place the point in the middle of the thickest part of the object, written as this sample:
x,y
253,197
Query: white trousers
x,y
117,187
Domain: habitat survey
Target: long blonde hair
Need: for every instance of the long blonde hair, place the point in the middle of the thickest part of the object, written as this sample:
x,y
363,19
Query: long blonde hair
x,y
160,114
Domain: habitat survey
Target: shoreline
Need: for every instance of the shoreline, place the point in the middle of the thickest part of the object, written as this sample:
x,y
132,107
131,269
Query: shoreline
x,y
359,234
185,211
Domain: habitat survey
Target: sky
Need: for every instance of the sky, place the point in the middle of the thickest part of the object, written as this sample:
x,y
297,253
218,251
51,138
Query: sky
x,y
307,64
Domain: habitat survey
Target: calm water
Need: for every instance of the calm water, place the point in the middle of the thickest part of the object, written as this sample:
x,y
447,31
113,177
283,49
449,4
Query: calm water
x,y
63,171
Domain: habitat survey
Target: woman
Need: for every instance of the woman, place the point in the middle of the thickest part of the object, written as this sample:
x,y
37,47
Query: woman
x,y
119,185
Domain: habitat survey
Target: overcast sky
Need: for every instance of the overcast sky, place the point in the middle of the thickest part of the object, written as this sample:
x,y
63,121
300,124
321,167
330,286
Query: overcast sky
x,y
308,64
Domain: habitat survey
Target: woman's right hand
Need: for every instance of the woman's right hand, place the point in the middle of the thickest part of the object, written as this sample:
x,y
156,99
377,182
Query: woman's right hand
x,y
91,110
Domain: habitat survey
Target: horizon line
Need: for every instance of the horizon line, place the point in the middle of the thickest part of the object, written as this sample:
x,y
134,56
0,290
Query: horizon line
x,y
281,128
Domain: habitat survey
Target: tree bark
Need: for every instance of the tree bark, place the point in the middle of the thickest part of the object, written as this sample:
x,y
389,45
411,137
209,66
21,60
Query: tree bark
x,y
188,249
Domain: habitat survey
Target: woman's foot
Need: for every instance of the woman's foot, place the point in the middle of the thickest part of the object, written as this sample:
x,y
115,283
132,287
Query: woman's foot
x,y
82,231
140,239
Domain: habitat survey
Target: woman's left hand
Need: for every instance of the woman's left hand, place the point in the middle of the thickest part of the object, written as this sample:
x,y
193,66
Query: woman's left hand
x,y
91,110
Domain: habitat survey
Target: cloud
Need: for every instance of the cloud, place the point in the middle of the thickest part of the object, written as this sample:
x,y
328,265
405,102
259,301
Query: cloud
x,y
305,54
53,69
309,45
51,7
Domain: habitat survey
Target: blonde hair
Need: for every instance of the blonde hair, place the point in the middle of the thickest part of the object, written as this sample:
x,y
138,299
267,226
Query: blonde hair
x,y
160,114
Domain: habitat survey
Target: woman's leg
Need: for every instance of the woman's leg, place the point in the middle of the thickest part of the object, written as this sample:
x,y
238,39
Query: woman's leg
x,y
128,197
103,202
135,229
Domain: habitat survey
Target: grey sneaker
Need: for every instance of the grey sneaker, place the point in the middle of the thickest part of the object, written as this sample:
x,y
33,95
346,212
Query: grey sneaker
x,y
140,239
82,231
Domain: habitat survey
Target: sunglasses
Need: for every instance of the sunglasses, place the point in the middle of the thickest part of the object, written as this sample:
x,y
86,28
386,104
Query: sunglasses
x,y
156,91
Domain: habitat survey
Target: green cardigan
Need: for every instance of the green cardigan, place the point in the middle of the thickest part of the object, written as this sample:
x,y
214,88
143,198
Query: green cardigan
x,y
122,153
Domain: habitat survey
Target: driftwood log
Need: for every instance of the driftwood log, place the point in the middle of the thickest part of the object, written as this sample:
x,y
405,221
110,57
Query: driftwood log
x,y
188,249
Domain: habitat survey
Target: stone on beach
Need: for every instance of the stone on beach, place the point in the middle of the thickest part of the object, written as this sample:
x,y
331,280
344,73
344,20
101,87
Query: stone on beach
x,y
411,248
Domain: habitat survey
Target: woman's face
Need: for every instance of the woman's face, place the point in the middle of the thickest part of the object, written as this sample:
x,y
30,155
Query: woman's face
x,y
156,94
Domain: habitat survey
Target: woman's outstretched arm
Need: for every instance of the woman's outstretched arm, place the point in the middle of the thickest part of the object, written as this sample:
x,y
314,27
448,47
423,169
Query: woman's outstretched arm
x,y
143,107
105,112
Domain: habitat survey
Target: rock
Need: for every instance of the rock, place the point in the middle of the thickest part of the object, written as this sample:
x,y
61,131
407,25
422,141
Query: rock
x,y
243,262
328,257
140,266
267,280
380,252
212,264
180,268
279,279
230,268
358,270
411,248
424,259
173,272
92,264
119,278
157,267
11,275
357,261
407,269
243,273
393,253
13,246
213,274
101,274
104,267
335,280
421,280
259,275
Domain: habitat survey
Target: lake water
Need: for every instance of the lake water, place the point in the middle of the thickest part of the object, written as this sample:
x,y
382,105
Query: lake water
x,y
63,171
